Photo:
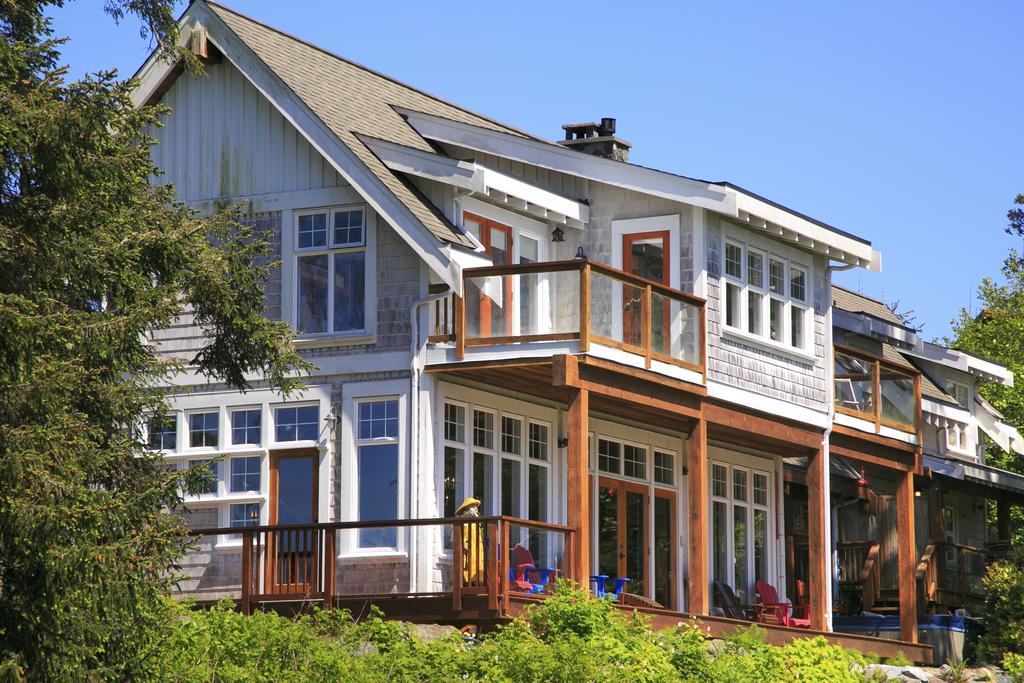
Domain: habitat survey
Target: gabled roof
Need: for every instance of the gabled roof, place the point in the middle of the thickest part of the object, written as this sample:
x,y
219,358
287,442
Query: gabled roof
x,y
352,99
848,300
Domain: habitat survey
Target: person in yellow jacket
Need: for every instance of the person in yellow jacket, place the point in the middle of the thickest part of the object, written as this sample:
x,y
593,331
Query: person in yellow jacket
x,y
472,543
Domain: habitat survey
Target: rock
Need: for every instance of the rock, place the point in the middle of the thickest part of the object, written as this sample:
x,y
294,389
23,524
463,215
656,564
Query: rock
x,y
428,632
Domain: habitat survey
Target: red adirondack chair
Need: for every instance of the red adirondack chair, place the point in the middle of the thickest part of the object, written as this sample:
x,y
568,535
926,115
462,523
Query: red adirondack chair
x,y
528,577
783,612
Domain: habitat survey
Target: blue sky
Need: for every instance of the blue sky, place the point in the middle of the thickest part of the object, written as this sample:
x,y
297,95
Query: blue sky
x,y
898,122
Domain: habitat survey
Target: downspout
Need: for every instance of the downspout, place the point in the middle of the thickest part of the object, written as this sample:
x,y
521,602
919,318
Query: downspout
x,y
415,431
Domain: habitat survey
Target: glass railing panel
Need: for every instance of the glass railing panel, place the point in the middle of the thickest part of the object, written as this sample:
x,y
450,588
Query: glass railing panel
x,y
854,384
899,398
522,305
616,310
675,328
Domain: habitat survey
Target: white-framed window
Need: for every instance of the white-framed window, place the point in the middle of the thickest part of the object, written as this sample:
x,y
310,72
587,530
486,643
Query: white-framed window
x,y
212,485
959,391
331,291
508,471
241,515
204,429
246,426
664,468
741,523
766,296
163,433
246,474
296,423
377,467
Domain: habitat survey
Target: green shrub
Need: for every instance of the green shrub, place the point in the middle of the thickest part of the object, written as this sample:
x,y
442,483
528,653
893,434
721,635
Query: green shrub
x,y
815,659
1013,666
1003,610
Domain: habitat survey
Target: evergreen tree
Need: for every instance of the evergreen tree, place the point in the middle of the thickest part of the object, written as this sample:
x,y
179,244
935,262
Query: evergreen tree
x,y
93,257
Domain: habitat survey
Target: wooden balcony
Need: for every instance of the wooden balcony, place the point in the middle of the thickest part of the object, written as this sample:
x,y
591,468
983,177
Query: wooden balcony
x,y
877,391
590,306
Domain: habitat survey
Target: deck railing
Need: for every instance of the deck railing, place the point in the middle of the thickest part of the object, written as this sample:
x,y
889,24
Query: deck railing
x,y
577,300
876,390
859,571
950,574
326,562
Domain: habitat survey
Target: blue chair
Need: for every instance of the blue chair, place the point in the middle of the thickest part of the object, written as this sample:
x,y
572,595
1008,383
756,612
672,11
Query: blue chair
x,y
599,581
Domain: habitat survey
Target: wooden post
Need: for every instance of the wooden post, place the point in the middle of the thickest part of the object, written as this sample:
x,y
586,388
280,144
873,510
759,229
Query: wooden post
x,y
698,601
907,557
457,568
585,308
645,322
246,602
503,565
1003,519
329,557
817,552
460,325
492,545
578,487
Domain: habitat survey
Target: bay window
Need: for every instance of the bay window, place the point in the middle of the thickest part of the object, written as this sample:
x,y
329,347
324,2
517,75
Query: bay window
x,y
765,296
330,266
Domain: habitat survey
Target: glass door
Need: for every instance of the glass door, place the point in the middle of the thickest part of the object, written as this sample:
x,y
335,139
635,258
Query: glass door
x,y
292,552
740,527
493,302
622,533
645,254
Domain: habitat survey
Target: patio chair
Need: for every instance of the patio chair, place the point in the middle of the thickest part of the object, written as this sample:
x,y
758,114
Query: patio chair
x,y
525,575
599,581
731,605
784,613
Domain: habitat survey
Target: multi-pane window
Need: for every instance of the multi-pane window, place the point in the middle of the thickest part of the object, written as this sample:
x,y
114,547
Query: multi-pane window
x,y
204,430
740,526
958,390
245,427
163,433
634,461
300,423
331,271
245,474
609,456
538,441
209,483
664,468
506,475
377,448
244,514
765,296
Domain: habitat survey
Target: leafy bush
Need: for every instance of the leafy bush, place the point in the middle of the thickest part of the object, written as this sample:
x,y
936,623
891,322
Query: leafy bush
x,y
568,637
1013,666
1003,611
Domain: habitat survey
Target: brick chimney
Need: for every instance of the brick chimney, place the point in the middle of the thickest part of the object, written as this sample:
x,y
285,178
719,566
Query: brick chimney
x,y
597,139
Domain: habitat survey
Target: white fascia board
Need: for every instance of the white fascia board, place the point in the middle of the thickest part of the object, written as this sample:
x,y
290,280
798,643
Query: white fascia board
x,y
806,233
435,254
1003,434
870,326
156,67
557,158
964,362
955,413
767,404
479,179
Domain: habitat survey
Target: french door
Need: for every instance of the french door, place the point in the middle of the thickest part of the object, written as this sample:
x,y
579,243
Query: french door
x,y
645,254
292,554
490,311
628,529
741,525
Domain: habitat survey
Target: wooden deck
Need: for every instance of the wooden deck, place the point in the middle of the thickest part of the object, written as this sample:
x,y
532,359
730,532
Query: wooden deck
x,y
292,569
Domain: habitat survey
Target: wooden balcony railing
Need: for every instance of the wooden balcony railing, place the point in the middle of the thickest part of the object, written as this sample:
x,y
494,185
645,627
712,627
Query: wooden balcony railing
x,y
951,574
576,300
876,390
307,562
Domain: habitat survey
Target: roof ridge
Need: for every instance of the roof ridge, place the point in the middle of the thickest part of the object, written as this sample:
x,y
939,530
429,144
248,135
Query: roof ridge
x,y
371,71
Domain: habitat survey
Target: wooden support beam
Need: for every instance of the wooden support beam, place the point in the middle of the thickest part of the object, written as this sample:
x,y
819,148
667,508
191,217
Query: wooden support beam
x,y
578,487
457,568
246,602
697,487
329,567
817,516
907,557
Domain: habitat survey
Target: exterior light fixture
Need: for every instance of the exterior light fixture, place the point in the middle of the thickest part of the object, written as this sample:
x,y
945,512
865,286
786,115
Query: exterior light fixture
x,y
580,255
862,481
332,417
558,235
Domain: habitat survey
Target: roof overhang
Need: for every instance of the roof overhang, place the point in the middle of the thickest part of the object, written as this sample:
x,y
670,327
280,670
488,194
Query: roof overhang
x,y
155,72
964,362
743,206
992,424
976,474
872,327
483,182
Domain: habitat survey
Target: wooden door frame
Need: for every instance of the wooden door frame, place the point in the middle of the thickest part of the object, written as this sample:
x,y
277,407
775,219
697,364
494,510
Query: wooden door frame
x,y
666,270
624,485
486,225
270,564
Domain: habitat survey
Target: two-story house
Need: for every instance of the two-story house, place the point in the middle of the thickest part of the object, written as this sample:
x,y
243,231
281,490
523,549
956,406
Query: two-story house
x,y
617,362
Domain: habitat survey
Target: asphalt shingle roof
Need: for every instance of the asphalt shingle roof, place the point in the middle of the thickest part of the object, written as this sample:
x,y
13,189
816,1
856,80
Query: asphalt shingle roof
x,y
351,99
858,303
